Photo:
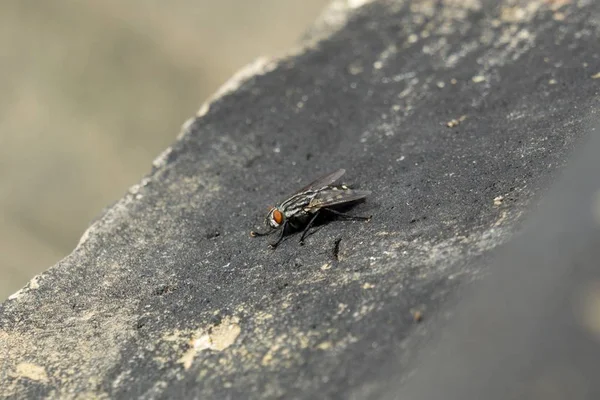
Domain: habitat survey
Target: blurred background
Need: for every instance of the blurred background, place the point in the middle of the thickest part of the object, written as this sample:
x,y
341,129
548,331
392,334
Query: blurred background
x,y
91,92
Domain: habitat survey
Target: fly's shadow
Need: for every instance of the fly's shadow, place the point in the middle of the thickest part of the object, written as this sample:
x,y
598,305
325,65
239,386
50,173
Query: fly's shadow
x,y
326,216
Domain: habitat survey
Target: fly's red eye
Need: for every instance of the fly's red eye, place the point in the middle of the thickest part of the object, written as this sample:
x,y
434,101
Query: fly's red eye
x,y
277,216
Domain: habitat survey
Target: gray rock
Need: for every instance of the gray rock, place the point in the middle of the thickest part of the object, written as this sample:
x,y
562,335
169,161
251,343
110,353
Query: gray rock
x,y
457,115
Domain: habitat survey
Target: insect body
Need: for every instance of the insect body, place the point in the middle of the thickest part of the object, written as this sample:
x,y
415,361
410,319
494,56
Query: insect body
x,y
304,206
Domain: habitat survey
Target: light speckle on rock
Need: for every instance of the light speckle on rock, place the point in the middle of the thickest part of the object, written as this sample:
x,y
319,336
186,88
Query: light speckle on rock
x,y
31,371
355,68
559,16
324,346
368,285
455,122
217,338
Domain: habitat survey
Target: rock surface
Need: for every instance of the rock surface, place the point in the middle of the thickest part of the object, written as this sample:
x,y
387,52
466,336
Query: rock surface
x,y
457,115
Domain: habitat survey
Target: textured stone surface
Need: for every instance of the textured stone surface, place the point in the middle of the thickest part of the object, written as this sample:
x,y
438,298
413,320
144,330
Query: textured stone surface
x,y
457,115
531,328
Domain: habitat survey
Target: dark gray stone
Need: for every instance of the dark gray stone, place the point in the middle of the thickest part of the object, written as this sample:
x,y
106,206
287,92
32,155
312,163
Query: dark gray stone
x,y
457,115
531,329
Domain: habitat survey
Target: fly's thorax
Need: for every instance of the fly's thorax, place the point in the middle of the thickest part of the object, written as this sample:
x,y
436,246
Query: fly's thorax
x,y
295,206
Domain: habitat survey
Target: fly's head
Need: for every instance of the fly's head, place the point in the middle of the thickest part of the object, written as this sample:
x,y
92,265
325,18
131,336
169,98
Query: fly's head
x,y
275,218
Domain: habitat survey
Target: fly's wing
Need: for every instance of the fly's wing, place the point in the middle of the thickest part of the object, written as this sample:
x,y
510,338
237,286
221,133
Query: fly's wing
x,y
333,197
323,181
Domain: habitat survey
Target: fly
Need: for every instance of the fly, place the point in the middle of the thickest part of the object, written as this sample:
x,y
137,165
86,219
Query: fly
x,y
304,206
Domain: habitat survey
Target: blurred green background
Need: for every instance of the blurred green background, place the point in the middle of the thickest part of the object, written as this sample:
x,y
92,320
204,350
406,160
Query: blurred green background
x,y
92,91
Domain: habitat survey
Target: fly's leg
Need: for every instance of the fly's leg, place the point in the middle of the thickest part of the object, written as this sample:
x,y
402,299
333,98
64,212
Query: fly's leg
x,y
258,233
347,216
280,238
310,223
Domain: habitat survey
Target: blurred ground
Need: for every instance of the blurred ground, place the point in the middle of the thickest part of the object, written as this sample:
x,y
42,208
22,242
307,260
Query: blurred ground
x,y
93,91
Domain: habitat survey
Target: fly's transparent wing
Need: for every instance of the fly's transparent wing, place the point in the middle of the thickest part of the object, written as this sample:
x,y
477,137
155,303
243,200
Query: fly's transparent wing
x,y
333,197
323,181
